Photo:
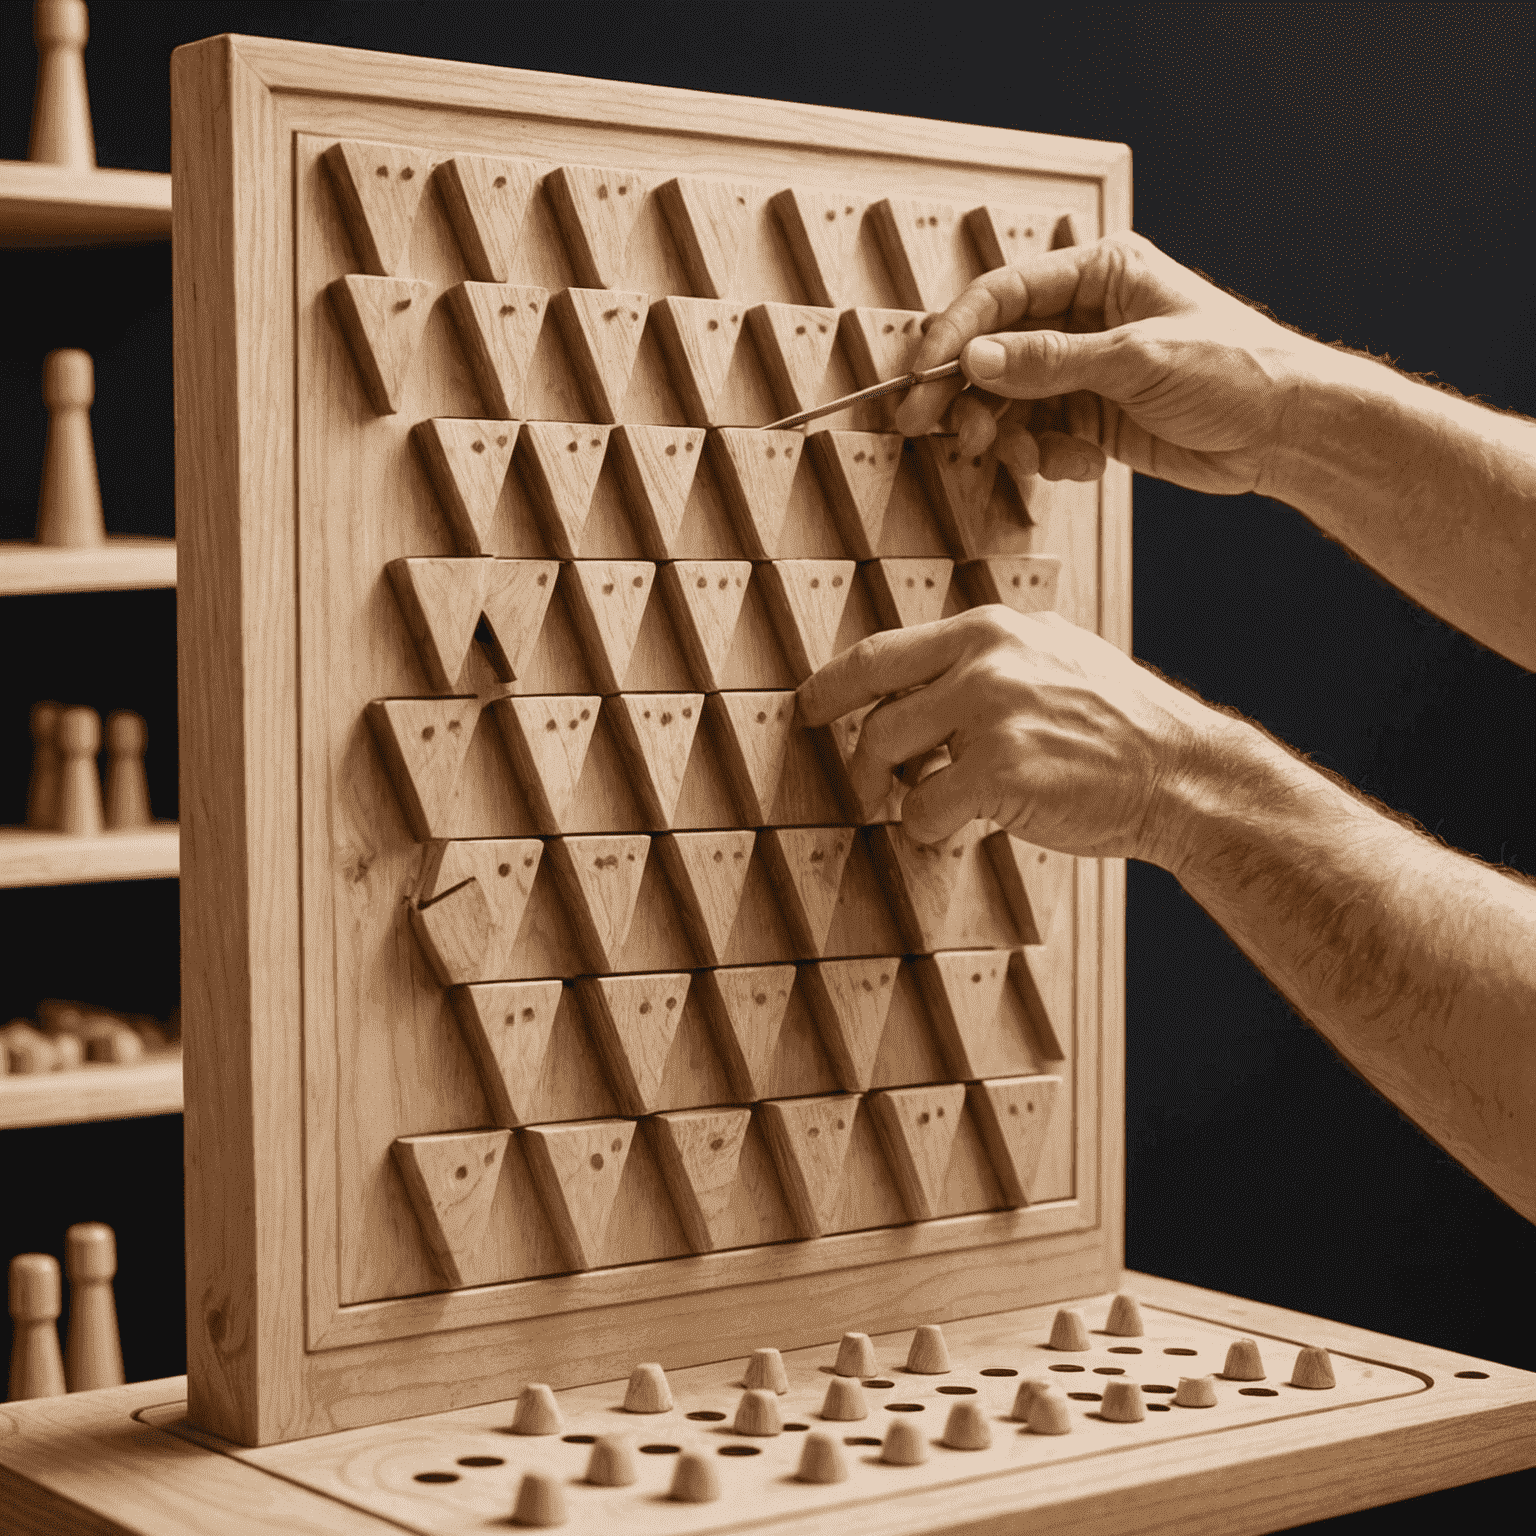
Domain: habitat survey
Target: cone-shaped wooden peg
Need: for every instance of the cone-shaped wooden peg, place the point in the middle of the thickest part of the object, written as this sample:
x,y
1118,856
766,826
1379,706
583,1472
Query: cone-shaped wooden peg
x,y
766,1369
1313,1369
537,1411
758,1413
612,1463
1049,1412
1123,1403
79,739
694,1480
1025,1396
1244,1363
1196,1392
966,1428
61,109
127,788
856,1356
1124,1318
929,1355
821,1460
648,1391
540,1501
69,502
844,1401
36,1296
904,1445
93,1355
1069,1331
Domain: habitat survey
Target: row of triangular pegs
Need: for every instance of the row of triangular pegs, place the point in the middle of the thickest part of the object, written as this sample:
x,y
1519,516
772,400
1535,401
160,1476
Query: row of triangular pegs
x,y
578,1168
379,189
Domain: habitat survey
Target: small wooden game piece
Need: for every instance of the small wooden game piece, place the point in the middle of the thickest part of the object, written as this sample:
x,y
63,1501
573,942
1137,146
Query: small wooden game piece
x,y
79,738
929,1354
1124,1320
1025,1396
699,339
127,798
612,1462
917,1129
93,1355
540,1501
1014,1117
602,333
560,462
821,1458
959,486
1195,1392
516,598
918,240
699,1151
1049,1412
578,1169
68,1052
656,466
751,732
856,1356
822,229
1244,1363
36,1298
607,601
966,1428
110,1040
1025,583
904,1444
470,900
537,1411
486,201
964,992
795,343
378,187
851,1000
844,1401
705,598
498,326
694,1480
921,878
711,224
424,742
857,471
1004,236
648,1390
596,210
758,1413
508,1026
452,1180
806,865
908,592
746,1006
656,731
708,871
599,878
1047,1038
806,599
383,319
27,1050
467,461
1123,1402
1313,1369
69,500
547,737
43,785
634,1021
61,108
809,1139
766,1370
1069,1331
756,472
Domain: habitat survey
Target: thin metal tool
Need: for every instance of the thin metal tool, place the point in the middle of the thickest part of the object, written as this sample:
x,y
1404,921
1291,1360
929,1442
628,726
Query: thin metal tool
x,y
906,381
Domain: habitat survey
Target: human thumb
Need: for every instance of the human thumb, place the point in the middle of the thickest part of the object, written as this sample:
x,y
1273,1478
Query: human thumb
x,y
1032,365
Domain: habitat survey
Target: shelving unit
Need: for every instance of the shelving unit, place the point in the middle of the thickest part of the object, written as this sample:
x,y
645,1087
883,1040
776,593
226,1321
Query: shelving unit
x,y
119,565
28,857
100,1092
53,205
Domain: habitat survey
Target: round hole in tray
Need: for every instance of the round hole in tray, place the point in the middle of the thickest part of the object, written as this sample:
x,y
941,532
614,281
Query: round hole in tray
x,y
999,1370
958,1391
1158,1408
1123,1349
1472,1375
1086,1397
481,1461
706,1416
876,1381
861,1440
437,1477
903,1407
1066,1367
740,1450
578,1439
1257,1392
1151,1387
1108,1370
1180,1351
796,1426
659,1450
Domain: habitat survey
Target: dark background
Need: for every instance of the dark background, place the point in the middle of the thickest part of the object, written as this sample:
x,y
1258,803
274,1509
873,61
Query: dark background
x,y
1364,170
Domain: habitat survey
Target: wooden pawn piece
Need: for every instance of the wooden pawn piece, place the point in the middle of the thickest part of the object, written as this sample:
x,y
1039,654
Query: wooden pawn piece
x,y
127,786
766,1369
612,1463
1124,1319
79,784
43,786
36,1296
1313,1369
821,1460
69,502
694,1480
929,1355
1049,1413
1069,1331
1123,1403
904,1445
1244,1363
648,1390
844,1401
537,1411
966,1428
1025,1396
540,1501
93,1354
856,1356
61,106
758,1413
1195,1392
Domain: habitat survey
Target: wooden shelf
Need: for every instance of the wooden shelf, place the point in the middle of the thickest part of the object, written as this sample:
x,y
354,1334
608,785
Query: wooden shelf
x,y
56,858
98,1092
53,205
121,564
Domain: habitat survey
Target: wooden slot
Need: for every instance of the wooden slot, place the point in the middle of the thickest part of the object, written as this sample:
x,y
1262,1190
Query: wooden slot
x,y
959,486
424,742
486,201
452,1181
708,871
508,1025
751,731
746,1005
806,599
1006,236
560,462
602,331
634,1021
964,992
656,731
599,878
383,319
917,1129
498,326
852,1000
699,1152
378,187
467,461
656,466
607,602
806,865
908,592
578,1169
857,471
810,1139
1014,1116
795,343
1026,583
596,210
756,470
705,598
711,224
918,239
547,737
699,339
822,229
470,902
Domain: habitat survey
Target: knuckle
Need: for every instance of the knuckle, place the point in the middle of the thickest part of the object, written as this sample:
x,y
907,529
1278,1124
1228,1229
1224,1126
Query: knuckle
x,y
993,625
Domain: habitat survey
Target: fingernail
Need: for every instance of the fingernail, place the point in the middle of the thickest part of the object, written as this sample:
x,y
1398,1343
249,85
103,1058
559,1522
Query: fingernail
x,y
986,358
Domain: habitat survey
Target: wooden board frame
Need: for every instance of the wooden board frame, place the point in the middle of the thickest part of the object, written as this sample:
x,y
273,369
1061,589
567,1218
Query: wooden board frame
x,y
273,1354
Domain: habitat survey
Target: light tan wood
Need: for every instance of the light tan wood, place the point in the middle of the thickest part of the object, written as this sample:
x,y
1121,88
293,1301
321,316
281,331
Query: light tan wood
x,y
634,1020
36,1297
858,470
810,1140
656,466
378,188
647,1391
424,742
94,1092
561,462
822,229
747,1005
452,1179
881,343
508,1026
700,1151
43,781
964,989
600,880
61,109
959,488
1014,1117
1005,236
757,478
1026,583
127,791
383,319
58,205
468,462
711,222
498,326
547,741
597,210
29,857
807,599
708,871
602,331
918,1127
578,1169
470,902
807,865
118,564
657,731
79,740
795,343
607,601
752,731
908,592
852,1000
69,514
699,338
705,598
487,201
920,241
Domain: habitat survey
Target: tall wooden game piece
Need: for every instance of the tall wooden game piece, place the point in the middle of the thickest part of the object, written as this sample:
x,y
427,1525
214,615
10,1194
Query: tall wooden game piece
x,y
79,785
93,1355
36,1296
127,787
61,109
43,786
69,504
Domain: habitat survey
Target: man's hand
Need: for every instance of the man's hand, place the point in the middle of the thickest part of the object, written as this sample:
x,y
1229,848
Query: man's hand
x,y
1113,348
1052,732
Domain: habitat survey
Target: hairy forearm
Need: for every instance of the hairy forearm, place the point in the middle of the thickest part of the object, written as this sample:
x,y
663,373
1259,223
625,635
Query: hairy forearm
x,y
1417,963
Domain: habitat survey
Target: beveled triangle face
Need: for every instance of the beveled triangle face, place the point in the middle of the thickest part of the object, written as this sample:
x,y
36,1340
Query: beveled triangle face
x,y
705,598
1019,865
656,731
746,1005
699,338
602,331
578,1169
806,865
517,594
452,1181
1005,236
656,466
634,1021
560,462
507,1025
858,470
487,201
918,239
424,742
917,1129
470,901
921,878
964,991
498,327
810,1140
596,209
851,1000
795,343
699,1151
751,731
806,599
1026,583
908,592
379,188
711,223
607,601
822,229
756,470
708,871
599,879
467,461
881,343
546,737
383,319
959,486
440,600
1014,1117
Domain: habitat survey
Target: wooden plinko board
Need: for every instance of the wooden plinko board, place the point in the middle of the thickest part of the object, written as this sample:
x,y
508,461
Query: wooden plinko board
x,y
505,842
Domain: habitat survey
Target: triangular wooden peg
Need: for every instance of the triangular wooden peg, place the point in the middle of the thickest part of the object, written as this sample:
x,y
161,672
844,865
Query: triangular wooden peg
x,y
881,343
467,461
599,878
746,1005
452,1181
699,337
918,239
656,466
917,1128
486,202
561,461
596,209
379,187
455,934
857,472
1005,236
810,1140
607,601
752,731
851,999
602,332
547,737
1014,1117
383,319
1026,583
424,742
920,879
507,1025
578,1170
822,229
964,990
517,594
806,599
708,871
498,327
656,731
908,592
699,1151
634,1021
711,223
959,486
1017,866
470,900
441,601
795,343
756,470
705,598
806,864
